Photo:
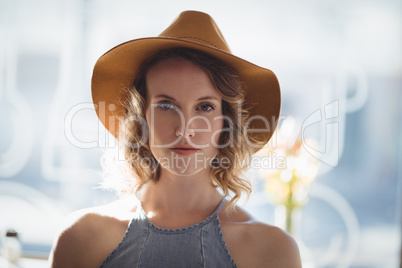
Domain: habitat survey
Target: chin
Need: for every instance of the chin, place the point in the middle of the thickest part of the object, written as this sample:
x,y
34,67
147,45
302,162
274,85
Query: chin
x,y
185,165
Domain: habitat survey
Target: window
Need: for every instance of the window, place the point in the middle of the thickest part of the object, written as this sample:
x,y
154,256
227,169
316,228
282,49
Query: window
x,y
339,65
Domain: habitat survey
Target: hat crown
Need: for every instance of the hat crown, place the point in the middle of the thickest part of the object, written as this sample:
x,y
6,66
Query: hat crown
x,y
197,27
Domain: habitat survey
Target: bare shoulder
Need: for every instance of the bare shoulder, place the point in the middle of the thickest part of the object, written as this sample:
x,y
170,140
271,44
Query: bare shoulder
x,y
88,236
255,244
275,246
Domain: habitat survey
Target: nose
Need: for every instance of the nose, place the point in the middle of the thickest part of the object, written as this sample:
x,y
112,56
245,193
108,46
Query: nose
x,y
185,131
185,127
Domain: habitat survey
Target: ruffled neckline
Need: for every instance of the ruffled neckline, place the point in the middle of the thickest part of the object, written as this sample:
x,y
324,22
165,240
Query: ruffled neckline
x,y
184,229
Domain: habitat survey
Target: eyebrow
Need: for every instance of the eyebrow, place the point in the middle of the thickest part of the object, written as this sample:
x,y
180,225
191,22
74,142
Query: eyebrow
x,y
199,99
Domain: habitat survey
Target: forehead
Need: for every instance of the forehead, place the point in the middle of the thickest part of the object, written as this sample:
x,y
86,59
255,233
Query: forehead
x,y
179,78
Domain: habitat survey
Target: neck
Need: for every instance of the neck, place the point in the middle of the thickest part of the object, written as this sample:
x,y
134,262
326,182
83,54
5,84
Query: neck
x,y
179,195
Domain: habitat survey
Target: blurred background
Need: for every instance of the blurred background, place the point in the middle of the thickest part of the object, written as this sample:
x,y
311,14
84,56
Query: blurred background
x,y
339,64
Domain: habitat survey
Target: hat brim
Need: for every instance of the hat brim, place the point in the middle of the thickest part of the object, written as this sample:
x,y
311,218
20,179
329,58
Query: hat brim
x,y
116,70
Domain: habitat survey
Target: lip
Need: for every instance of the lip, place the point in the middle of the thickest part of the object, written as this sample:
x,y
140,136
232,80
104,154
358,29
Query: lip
x,y
184,150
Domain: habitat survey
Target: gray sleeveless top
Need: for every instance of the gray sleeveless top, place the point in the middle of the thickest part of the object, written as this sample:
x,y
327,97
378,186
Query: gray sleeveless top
x,y
147,245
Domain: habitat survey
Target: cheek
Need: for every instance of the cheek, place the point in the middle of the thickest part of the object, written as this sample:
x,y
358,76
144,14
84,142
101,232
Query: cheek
x,y
216,130
159,127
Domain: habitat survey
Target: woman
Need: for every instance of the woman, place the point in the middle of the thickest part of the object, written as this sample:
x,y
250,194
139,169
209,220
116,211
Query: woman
x,y
188,115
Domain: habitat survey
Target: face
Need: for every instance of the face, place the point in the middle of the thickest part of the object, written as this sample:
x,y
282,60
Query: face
x,y
184,114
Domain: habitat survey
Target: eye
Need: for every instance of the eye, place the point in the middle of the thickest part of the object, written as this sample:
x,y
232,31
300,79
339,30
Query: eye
x,y
207,107
165,106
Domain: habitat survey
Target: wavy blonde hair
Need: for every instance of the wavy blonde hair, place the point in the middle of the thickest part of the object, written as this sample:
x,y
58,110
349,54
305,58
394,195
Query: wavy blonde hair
x,y
138,159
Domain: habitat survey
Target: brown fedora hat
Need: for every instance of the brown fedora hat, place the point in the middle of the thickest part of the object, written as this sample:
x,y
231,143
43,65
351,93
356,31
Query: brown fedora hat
x,y
116,70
